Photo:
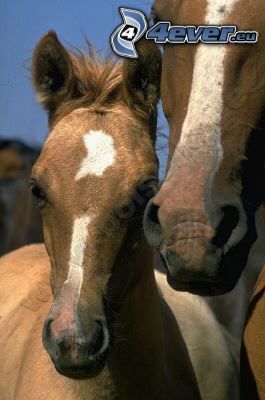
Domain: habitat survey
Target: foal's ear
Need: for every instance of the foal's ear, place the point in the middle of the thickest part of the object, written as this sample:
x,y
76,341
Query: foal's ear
x,y
52,71
142,77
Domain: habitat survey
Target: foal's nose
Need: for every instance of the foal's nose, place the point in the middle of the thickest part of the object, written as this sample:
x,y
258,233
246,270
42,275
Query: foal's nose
x,y
75,353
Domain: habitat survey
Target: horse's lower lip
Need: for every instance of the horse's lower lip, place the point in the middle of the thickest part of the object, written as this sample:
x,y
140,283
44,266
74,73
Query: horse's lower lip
x,y
84,371
76,374
202,286
196,288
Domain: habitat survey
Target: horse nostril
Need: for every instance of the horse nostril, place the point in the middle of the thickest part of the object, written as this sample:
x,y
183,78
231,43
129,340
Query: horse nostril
x,y
152,227
48,339
100,340
228,223
152,213
47,327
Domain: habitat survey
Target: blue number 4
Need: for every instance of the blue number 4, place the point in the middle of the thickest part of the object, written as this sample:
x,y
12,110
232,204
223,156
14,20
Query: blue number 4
x,y
159,32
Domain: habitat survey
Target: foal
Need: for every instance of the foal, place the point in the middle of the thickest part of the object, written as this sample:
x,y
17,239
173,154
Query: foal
x,y
109,333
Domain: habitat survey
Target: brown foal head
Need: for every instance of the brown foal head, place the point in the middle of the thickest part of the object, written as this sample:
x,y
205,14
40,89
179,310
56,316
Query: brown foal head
x,y
203,218
96,172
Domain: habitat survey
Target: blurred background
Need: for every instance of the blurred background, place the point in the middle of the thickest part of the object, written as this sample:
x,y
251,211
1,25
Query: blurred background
x,y
23,123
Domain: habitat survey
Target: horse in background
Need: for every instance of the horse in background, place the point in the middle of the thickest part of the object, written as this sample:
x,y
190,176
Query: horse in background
x,y
202,220
252,352
205,217
112,329
231,309
20,219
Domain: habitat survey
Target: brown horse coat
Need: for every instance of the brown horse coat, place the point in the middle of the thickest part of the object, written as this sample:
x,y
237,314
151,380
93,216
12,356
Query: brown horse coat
x,y
253,347
27,371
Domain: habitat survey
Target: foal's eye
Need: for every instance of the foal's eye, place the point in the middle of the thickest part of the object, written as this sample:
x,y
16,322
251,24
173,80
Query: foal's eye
x,y
145,191
38,193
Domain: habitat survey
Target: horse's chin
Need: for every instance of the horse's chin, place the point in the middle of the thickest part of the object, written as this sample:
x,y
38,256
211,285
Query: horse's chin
x,y
196,288
219,272
197,284
84,370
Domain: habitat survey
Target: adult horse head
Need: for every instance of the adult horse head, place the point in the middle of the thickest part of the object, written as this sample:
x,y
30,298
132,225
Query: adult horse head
x,y
202,219
95,174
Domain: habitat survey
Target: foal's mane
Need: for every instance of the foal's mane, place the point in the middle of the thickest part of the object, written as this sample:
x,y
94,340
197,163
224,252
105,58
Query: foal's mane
x,y
100,77
98,82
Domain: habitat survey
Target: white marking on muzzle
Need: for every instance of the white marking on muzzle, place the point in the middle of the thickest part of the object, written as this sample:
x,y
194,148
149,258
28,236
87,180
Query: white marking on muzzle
x,y
101,154
78,246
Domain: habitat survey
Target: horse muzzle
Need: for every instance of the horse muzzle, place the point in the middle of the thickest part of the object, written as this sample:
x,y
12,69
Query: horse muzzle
x,y
196,255
75,353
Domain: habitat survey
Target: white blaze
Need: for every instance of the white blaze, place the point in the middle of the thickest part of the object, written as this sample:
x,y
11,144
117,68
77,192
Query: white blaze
x,y
200,138
78,246
101,154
